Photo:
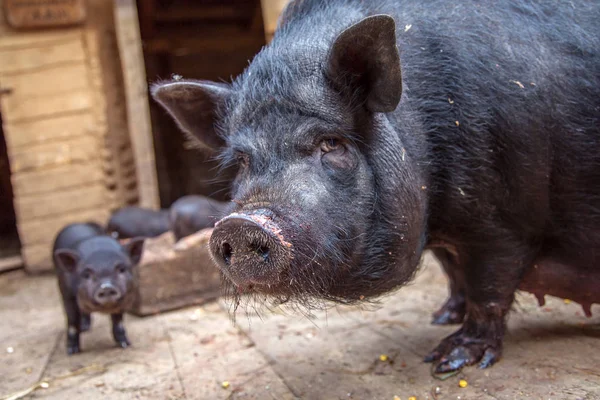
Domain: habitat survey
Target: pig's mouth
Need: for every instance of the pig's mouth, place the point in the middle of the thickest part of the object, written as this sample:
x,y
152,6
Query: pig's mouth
x,y
251,251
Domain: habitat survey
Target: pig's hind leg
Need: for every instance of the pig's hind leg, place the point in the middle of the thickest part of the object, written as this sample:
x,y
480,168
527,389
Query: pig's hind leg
x,y
118,331
454,309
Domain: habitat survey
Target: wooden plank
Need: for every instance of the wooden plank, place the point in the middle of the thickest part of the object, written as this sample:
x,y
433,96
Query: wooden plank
x,y
271,11
21,40
44,13
60,202
19,60
44,107
43,230
40,131
55,178
46,81
81,149
136,94
9,263
174,276
38,258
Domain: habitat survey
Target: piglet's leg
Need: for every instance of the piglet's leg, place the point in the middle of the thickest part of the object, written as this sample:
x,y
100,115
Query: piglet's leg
x,y
118,331
491,281
453,311
73,325
86,322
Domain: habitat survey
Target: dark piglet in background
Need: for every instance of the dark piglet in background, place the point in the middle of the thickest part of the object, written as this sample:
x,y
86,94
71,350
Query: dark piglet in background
x,y
369,131
95,274
192,213
133,221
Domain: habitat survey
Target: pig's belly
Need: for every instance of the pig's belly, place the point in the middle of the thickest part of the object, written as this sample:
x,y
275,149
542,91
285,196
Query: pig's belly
x,y
549,277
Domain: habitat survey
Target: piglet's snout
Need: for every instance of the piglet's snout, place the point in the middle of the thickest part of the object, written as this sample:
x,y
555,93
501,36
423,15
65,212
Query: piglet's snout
x,y
250,248
107,293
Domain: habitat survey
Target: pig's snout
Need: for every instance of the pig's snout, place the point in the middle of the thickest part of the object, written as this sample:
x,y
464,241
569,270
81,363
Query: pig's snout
x,y
107,293
250,249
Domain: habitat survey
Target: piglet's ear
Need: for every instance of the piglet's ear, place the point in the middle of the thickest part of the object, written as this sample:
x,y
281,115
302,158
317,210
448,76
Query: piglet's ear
x,y
134,248
364,60
66,260
193,105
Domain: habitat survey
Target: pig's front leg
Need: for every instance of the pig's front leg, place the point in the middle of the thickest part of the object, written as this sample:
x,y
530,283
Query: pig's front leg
x,y
85,323
454,309
491,282
73,324
118,331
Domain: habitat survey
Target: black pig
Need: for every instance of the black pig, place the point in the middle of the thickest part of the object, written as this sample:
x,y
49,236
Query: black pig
x,y
95,274
369,131
189,214
132,221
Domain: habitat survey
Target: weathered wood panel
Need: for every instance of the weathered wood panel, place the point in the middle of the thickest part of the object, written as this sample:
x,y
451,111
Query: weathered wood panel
x,y
60,202
58,128
11,40
56,179
43,230
15,110
19,60
78,150
46,81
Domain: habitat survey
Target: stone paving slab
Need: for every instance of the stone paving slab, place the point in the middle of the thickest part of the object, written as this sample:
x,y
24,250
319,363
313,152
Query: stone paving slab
x,y
550,353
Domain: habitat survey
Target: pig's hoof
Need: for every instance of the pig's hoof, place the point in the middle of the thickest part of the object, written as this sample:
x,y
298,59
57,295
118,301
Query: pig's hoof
x,y
85,323
73,349
452,312
123,342
459,350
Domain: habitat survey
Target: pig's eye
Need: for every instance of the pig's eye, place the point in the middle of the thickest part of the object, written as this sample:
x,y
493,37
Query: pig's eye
x,y
86,274
121,269
329,145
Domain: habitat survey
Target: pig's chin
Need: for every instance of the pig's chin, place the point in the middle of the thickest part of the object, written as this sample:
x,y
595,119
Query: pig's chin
x,y
304,287
88,305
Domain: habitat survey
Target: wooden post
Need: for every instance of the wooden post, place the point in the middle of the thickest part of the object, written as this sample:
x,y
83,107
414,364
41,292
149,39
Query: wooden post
x,y
136,94
271,10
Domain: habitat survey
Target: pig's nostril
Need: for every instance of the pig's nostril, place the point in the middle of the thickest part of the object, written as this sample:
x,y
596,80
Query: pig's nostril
x,y
260,250
106,294
226,252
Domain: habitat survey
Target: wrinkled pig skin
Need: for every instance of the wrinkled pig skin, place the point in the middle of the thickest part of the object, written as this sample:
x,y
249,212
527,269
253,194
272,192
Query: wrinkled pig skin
x,y
368,131
95,274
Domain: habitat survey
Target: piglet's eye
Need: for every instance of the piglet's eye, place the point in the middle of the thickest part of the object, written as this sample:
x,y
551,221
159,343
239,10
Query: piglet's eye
x,y
329,145
121,269
86,274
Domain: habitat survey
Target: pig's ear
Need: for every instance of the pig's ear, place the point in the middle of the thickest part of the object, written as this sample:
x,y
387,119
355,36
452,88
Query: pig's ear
x,y
194,106
66,260
134,249
364,60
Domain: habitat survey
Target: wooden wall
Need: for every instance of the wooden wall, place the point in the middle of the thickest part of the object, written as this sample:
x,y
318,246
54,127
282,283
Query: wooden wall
x,y
65,128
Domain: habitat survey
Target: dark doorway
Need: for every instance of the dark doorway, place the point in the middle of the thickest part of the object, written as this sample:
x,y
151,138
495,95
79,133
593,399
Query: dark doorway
x,y
198,39
9,238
